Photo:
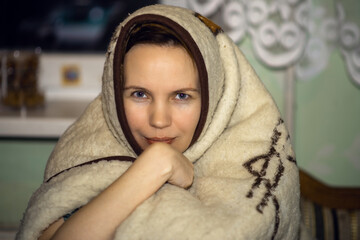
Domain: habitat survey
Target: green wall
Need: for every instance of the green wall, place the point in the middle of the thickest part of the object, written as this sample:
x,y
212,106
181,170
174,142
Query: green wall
x,y
328,125
22,164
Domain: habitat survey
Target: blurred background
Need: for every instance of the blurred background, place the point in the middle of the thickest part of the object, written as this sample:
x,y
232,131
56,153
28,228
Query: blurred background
x,y
63,25
307,53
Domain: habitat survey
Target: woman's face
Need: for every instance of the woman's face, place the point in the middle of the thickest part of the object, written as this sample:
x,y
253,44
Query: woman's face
x,y
161,95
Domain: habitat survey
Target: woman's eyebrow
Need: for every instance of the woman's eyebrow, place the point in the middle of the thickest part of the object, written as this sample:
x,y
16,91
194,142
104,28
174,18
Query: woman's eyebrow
x,y
135,87
177,90
188,90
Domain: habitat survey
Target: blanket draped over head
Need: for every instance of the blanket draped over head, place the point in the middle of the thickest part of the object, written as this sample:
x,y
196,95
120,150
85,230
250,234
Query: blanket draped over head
x,y
246,179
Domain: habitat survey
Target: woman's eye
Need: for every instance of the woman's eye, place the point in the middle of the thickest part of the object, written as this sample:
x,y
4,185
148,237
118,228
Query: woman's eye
x,y
182,96
139,94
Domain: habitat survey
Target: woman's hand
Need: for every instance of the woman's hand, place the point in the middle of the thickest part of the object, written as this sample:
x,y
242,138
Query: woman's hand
x,y
170,163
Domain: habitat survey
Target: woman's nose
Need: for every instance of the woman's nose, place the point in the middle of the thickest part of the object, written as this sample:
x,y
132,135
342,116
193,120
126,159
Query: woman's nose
x,y
160,115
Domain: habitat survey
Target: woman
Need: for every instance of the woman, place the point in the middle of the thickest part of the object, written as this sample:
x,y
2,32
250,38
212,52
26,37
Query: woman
x,y
183,143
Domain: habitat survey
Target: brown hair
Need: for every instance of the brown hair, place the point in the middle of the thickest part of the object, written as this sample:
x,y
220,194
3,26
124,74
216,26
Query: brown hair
x,y
153,33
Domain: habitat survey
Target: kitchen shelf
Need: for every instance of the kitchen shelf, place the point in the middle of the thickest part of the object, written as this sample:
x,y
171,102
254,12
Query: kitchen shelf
x,y
48,121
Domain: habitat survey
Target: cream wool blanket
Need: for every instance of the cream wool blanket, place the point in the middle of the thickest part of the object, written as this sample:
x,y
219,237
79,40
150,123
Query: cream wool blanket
x,y
246,179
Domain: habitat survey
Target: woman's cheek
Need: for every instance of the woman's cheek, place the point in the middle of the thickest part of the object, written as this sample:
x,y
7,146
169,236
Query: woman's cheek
x,y
187,115
135,114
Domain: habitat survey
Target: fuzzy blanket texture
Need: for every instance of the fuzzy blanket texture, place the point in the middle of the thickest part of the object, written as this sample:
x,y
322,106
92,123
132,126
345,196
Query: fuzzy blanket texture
x,y
246,180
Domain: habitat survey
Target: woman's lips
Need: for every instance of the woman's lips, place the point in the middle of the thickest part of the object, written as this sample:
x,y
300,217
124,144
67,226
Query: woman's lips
x,y
163,140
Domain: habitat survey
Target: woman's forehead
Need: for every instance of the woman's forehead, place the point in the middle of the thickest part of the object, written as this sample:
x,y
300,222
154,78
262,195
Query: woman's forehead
x,y
149,64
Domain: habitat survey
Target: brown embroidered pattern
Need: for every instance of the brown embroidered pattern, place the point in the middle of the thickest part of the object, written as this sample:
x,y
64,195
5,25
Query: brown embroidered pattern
x,y
270,183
